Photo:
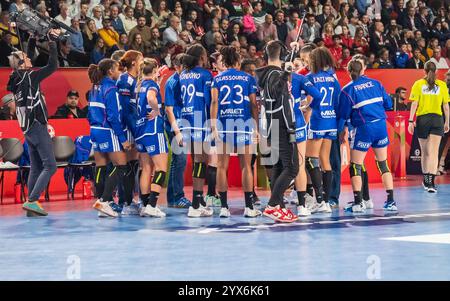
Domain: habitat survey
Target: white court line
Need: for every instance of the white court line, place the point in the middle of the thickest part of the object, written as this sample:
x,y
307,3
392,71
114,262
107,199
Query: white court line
x,y
443,238
324,222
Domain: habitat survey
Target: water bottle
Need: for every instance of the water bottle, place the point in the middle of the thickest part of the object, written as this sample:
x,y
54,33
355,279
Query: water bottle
x,y
87,189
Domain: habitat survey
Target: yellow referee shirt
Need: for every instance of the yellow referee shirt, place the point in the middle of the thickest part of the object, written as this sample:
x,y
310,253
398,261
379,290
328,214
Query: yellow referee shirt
x,y
430,101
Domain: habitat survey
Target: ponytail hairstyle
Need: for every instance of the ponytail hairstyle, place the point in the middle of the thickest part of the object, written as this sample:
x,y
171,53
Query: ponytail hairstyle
x,y
230,56
430,70
192,57
321,59
97,72
129,58
355,69
147,67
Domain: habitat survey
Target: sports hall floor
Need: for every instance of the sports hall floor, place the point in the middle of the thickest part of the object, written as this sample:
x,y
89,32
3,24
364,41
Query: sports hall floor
x,y
72,243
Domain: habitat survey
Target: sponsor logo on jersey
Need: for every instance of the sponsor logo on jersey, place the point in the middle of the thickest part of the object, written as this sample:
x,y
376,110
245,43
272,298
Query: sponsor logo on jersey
x,y
363,144
231,111
383,141
328,114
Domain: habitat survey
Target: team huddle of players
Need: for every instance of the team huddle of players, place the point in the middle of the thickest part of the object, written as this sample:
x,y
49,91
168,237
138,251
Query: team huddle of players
x,y
211,117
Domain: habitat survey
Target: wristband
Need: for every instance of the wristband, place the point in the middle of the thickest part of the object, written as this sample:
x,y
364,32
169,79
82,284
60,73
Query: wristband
x,y
410,121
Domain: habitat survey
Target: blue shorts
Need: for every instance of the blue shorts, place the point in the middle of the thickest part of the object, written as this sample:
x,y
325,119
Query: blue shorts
x,y
300,134
129,135
331,135
372,134
152,144
104,140
236,139
195,135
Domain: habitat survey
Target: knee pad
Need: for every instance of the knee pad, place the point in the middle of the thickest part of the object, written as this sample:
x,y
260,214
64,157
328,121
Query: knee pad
x,y
199,170
159,177
383,167
312,162
355,170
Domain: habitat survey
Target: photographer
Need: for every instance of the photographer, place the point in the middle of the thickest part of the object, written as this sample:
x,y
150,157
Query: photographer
x,y
32,115
273,82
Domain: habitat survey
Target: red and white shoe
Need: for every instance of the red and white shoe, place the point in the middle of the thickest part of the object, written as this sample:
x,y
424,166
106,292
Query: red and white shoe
x,y
281,215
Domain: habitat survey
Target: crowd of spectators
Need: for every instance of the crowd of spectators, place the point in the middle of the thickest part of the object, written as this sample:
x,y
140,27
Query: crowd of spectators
x,y
392,33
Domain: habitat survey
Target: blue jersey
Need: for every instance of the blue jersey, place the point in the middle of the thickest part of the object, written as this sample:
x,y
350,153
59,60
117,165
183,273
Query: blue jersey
x,y
324,108
301,87
143,125
104,108
172,97
234,89
126,85
196,97
362,101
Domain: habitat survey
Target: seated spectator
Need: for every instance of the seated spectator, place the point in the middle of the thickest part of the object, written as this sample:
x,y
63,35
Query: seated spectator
x,y
70,109
433,43
161,15
415,62
438,60
170,34
393,39
116,21
282,29
224,25
128,20
99,51
326,13
248,24
8,108
336,49
142,29
141,11
401,57
327,34
259,15
97,16
267,31
6,48
293,19
311,29
197,29
76,38
71,58
63,16
90,36
83,14
108,34
399,100
155,42
440,32
138,44
347,40
208,39
234,33
360,44
345,58
5,26
384,61
123,42
421,45
378,40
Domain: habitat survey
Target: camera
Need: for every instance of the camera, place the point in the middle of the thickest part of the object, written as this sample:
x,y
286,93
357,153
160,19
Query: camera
x,y
34,23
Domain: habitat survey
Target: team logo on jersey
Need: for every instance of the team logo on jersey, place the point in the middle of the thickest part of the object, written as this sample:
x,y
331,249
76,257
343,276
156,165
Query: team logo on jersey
x,y
150,148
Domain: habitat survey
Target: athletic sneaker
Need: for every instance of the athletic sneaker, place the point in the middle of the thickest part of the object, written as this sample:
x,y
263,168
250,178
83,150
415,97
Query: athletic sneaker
x,y
355,208
390,206
34,207
292,197
151,211
333,204
200,212
322,207
101,214
105,208
132,209
303,211
432,189
310,201
213,201
277,214
116,207
180,203
224,212
252,212
425,186
368,204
